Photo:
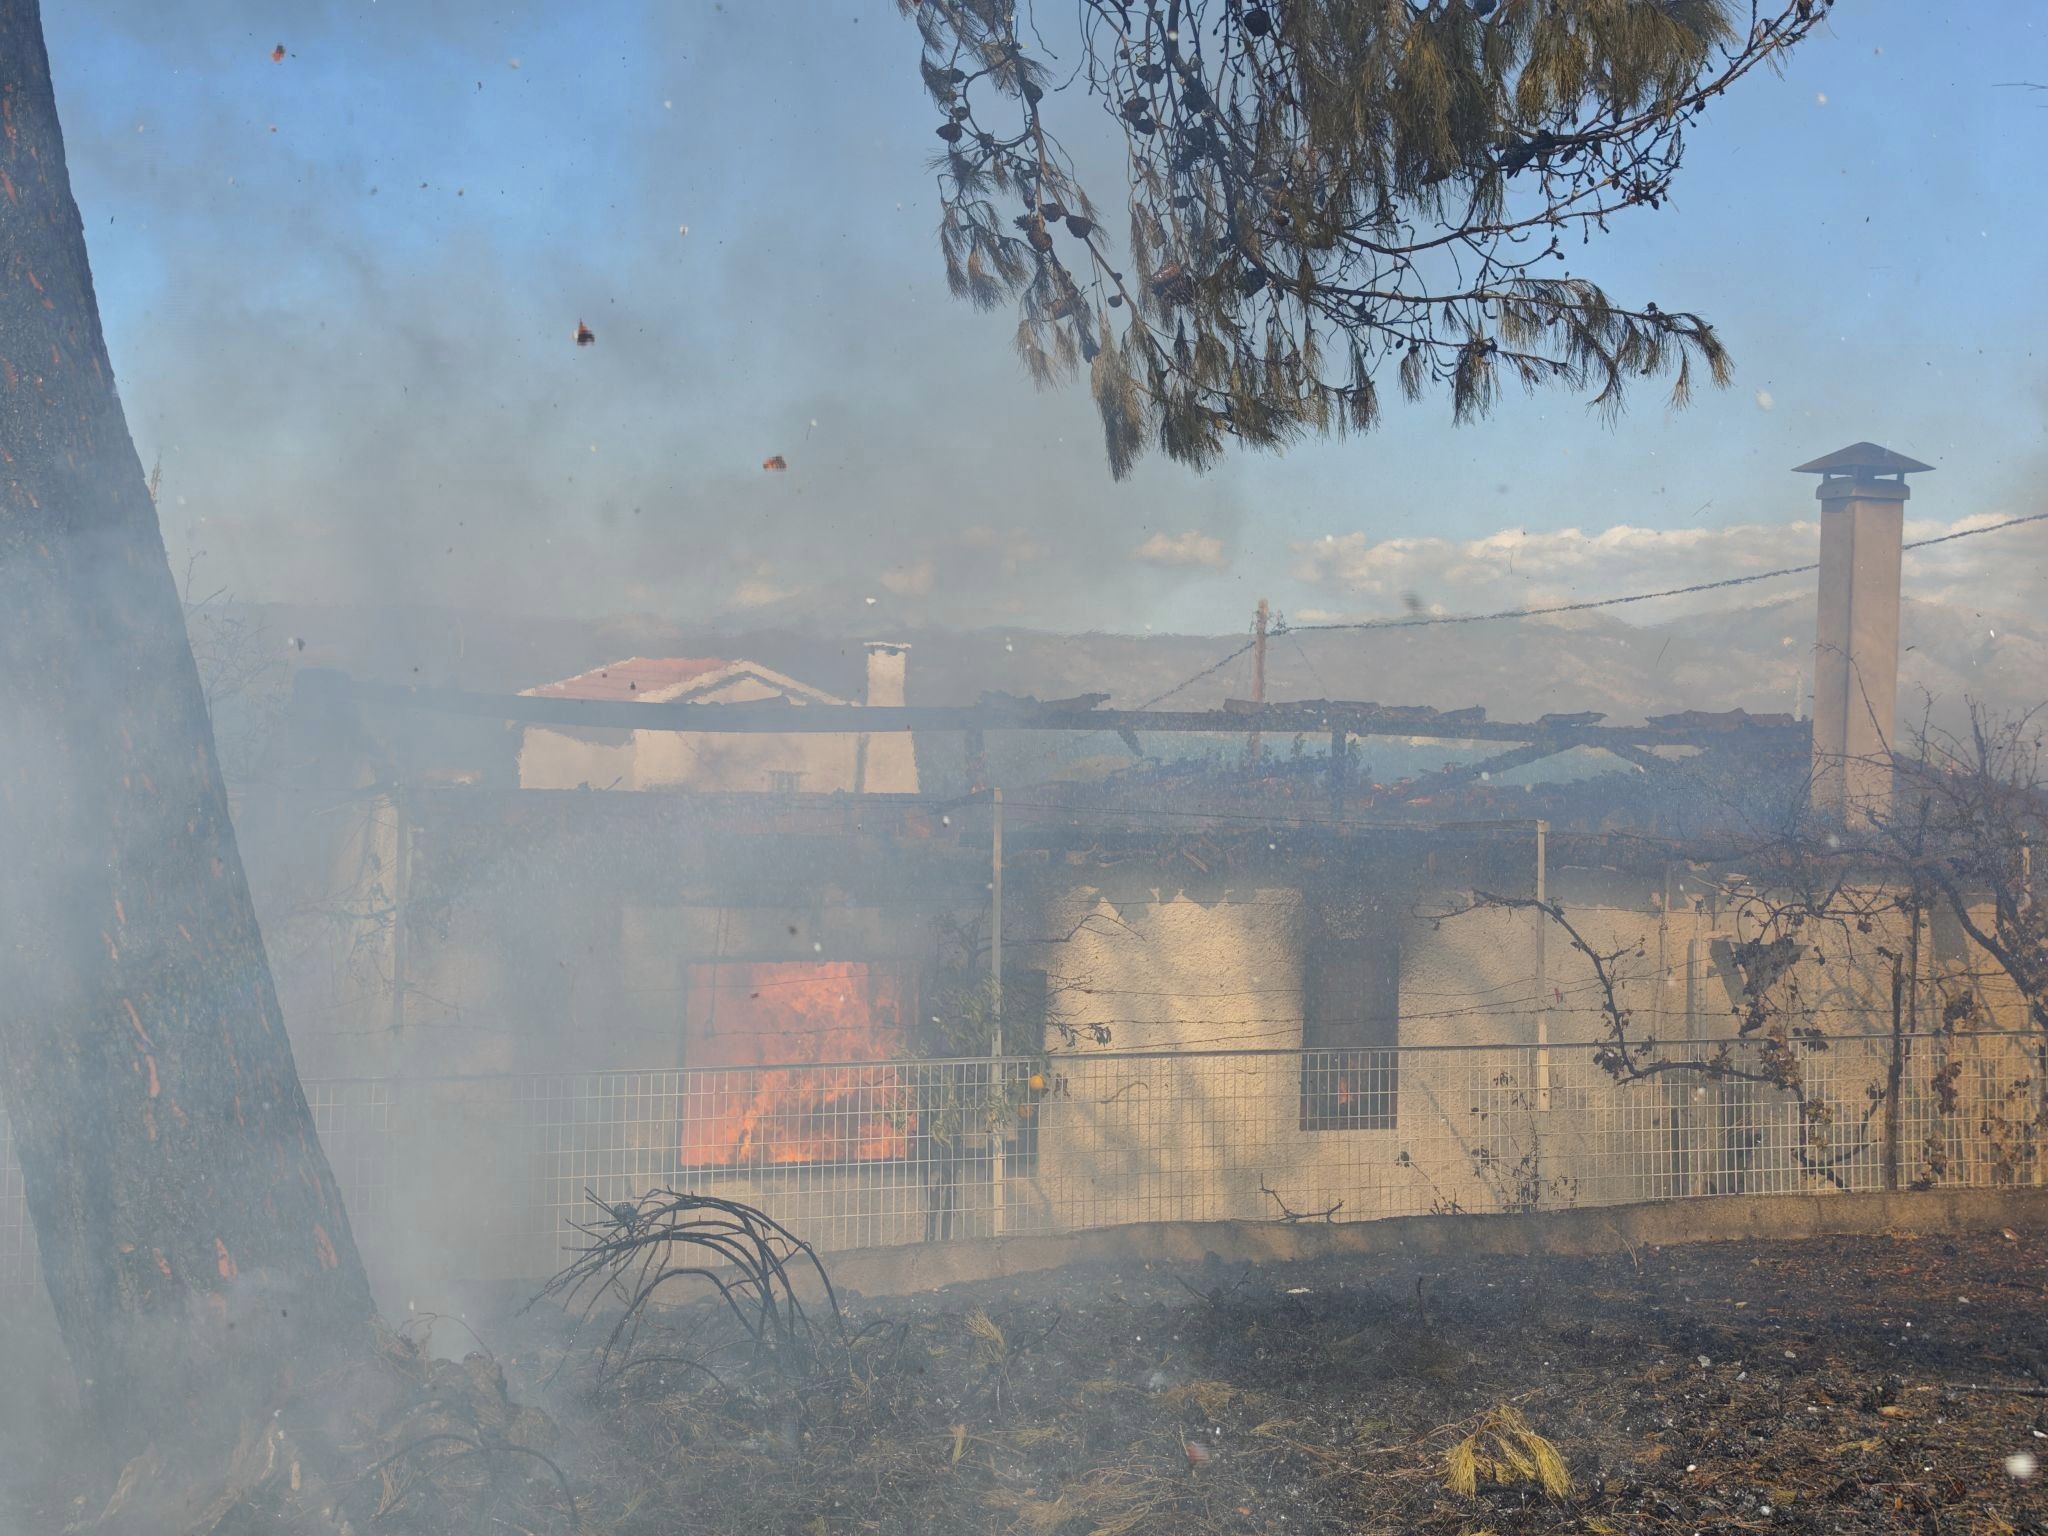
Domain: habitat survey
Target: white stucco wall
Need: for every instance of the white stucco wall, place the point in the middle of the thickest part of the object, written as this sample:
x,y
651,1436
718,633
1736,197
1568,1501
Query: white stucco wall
x,y
715,762
1488,1116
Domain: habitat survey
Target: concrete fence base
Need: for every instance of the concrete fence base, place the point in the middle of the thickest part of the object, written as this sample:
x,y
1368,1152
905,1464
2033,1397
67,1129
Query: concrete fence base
x,y
1610,1229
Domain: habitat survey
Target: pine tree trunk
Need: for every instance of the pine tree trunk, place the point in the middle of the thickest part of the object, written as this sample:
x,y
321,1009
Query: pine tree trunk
x,y
192,1236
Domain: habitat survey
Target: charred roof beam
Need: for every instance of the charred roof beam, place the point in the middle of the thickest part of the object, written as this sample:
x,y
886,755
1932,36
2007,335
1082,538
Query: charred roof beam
x,y
1354,719
1485,768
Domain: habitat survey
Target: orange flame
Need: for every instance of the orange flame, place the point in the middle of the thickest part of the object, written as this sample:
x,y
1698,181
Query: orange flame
x,y
777,1016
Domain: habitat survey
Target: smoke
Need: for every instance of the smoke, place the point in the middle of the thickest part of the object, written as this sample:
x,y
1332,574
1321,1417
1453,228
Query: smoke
x,y
342,292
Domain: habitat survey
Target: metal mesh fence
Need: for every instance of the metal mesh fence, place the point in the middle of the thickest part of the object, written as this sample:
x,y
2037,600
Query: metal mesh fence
x,y
482,1178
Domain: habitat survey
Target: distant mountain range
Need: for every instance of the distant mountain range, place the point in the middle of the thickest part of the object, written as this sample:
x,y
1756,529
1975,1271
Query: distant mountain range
x,y
1755,658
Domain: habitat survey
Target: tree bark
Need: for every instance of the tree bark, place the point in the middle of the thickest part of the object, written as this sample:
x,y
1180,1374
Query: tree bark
x,y
192,1236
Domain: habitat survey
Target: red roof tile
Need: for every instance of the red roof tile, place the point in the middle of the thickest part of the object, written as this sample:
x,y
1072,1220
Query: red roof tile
x,y
632,678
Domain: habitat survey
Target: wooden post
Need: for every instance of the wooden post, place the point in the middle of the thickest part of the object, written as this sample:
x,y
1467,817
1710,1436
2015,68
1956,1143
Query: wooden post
x,y
1542,968
1258,679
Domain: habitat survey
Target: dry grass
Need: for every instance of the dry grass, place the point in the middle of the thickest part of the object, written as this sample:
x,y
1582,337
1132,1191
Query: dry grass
x,y
993,1347
1112,1501
1503,1449
1210,1397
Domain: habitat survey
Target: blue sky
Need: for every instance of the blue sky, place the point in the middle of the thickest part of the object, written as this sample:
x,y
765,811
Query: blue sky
x,y
340,292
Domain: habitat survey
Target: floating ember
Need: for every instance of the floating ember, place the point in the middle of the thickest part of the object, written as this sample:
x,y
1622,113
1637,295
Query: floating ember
x,y
277,54
584,334
775,461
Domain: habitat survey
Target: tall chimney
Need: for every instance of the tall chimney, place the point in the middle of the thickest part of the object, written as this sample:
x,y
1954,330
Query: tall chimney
x,y
1862,498
887,759
887,661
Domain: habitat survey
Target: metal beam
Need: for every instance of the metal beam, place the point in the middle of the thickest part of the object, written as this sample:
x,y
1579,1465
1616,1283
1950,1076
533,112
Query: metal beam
x,y
1649,762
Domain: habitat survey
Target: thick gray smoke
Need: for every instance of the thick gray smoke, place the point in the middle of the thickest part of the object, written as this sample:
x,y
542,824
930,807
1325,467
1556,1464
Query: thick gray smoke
x,y
342,290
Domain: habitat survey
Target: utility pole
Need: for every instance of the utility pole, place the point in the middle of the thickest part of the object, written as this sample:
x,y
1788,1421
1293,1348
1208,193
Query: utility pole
x,y
1258,678
995,948
977,762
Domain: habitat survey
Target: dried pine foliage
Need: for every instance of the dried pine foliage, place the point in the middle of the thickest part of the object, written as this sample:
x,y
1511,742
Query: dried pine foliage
x,y
1325,199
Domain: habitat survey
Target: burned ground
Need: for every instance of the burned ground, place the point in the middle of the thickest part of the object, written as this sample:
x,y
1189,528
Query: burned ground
x,y
1802,1387
1832,1385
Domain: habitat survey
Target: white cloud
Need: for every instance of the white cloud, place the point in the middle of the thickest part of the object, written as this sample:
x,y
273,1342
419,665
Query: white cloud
x,y
1183,549
1515,568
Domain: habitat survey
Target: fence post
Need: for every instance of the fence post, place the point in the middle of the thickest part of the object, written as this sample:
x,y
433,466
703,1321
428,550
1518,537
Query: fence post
x,y
1688,1125
2040,1126
995,1044
1894,1077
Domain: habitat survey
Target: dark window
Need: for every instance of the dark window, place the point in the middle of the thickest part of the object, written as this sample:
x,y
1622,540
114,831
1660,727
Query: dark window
x,y
1351,997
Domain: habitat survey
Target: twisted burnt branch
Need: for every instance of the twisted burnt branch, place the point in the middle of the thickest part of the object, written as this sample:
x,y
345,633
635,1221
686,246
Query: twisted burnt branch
x,y
746,1258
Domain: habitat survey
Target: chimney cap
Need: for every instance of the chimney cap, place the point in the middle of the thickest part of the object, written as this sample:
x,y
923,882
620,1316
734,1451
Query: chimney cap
x,y
1860,460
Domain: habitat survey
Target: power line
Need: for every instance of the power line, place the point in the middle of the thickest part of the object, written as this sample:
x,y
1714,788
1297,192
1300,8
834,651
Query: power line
x,y
1430,620
1205,672
1971,533
1427,620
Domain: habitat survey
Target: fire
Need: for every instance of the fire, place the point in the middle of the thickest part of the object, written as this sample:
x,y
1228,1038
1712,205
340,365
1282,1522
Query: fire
x,y
778,1016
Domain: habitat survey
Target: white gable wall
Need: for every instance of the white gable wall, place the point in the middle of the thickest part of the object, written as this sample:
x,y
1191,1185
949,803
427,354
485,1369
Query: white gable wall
x,y
718,762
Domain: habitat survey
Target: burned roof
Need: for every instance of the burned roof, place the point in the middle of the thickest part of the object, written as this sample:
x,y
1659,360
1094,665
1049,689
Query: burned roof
x,y
1738,782
635,677
668,679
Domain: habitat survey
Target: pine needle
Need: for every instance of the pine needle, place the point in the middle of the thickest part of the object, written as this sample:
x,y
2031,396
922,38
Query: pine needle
x,y
1503,1449
1551,1471
1461,1467
988,1335
1209,1396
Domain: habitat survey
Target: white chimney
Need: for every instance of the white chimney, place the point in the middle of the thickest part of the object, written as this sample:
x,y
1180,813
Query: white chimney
x,y
1856,644
886,763
887,662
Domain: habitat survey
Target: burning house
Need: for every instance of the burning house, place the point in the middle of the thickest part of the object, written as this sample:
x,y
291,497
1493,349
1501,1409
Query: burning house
x,y
1183,990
